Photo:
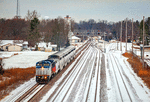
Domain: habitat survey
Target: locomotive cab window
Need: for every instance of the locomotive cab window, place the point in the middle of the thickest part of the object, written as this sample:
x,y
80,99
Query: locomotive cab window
x,y
46,64
39,64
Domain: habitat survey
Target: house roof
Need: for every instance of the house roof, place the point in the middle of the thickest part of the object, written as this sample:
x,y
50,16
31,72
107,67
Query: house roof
x,y
5,42
43,44
75,38
19,44
25,42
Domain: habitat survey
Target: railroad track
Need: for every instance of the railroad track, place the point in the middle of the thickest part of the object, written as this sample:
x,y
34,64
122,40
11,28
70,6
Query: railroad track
x,y
69,82
35,97
34,91
120,81
98,77
94,78
30,93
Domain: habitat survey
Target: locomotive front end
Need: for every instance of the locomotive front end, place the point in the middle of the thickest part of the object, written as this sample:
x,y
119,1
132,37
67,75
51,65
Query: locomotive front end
x,y
43,72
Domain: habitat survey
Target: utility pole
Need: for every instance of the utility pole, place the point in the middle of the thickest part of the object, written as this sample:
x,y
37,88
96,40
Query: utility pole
x,y
104,42
143,40
121,37
126,35
132,35
117,41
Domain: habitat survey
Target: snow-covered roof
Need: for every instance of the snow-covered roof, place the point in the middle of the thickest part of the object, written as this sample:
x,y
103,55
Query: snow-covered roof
x,y
25,42
4,42
17,42
53,45
43,44
76,38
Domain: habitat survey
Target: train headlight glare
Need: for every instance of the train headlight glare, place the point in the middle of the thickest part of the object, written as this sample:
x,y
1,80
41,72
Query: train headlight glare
x,y
42,68
45,77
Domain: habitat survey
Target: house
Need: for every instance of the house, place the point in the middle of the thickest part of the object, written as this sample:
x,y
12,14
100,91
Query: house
x,y
47,47
12,45
15,47
25,45
75,39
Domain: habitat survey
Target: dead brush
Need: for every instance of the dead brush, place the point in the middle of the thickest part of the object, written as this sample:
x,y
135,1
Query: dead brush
x,y
15,53
137,66
13,77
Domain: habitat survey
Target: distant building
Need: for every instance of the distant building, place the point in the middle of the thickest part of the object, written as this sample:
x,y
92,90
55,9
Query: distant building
x,y
75,39
47,47
13,45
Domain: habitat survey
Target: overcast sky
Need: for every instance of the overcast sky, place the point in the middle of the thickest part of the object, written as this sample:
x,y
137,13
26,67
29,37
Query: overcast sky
x,y
110,10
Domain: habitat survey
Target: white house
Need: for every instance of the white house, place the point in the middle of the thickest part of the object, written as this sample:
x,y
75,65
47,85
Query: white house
x,y
75,39
43,46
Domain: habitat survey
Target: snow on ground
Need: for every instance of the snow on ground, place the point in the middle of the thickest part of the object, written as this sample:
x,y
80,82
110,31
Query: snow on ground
x,y
134,83
137,89
19,91
24,59
7,54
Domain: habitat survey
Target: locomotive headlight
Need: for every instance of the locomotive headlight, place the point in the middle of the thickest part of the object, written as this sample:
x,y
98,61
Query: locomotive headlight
x,y
45,77
42,68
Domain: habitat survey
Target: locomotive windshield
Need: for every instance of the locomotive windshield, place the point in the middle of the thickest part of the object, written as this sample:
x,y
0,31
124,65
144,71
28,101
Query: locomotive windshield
x,y
46,64
39,64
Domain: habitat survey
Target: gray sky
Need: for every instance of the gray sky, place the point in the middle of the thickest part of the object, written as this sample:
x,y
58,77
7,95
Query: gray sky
x,y
110,10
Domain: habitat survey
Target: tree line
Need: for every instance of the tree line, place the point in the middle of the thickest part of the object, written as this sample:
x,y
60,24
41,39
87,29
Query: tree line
x,y
115,28
56,30
34,30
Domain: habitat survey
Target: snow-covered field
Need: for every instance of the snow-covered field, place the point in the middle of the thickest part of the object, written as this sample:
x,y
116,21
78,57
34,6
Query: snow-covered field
x,y
122,84
23,59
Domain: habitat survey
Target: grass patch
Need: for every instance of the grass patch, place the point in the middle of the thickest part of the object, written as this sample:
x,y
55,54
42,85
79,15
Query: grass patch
x,y
12,78
137,66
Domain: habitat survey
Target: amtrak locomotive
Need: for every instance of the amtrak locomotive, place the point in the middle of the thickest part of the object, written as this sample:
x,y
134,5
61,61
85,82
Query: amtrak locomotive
x,y
46,69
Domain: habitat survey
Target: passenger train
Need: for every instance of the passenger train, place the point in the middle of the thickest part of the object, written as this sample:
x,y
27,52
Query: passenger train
x,y
46,69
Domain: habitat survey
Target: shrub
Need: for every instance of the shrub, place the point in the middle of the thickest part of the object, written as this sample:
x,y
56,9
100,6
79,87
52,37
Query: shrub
x,y
137,66
14,77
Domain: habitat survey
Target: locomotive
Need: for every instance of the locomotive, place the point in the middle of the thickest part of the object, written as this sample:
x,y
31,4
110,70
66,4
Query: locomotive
x,y
46,69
